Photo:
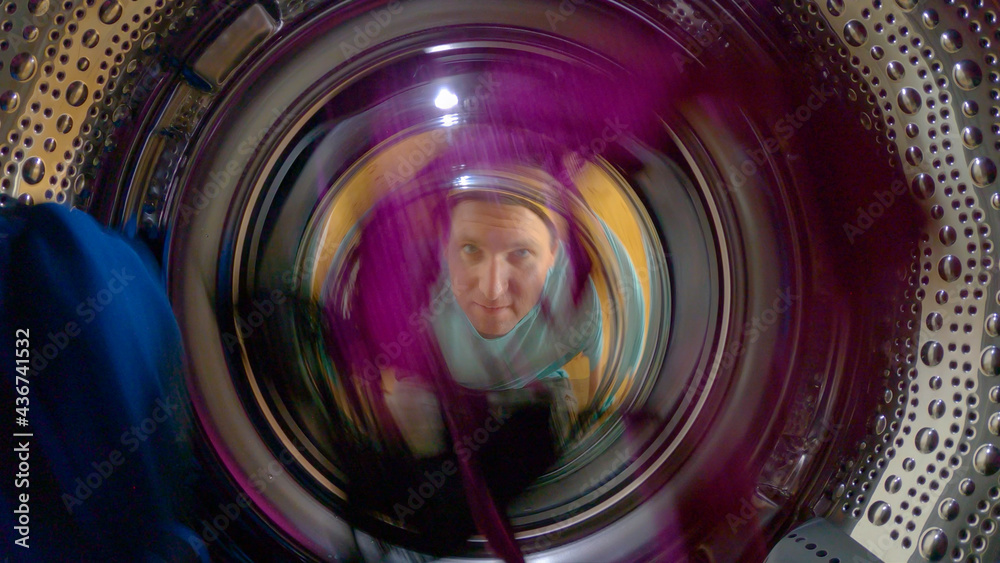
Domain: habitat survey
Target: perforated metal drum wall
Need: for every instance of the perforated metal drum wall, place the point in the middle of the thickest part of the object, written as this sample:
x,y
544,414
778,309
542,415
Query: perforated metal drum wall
x,y
922,78
925,79
72,73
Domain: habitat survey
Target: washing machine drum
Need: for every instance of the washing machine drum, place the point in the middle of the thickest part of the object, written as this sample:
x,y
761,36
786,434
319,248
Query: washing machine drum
x,y
768,327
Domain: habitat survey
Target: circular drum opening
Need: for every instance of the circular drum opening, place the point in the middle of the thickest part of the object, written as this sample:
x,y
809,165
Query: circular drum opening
x,y
303,281
338,282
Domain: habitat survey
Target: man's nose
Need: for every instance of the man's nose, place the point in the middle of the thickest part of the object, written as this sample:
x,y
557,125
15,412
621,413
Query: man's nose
x,y
493,282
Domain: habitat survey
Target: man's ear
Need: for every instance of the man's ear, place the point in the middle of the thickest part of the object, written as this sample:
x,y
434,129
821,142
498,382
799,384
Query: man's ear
x,y
443,235
560,228
553,251
443,248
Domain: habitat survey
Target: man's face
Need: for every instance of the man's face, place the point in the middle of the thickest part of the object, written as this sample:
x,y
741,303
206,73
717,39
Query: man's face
x,y
498,256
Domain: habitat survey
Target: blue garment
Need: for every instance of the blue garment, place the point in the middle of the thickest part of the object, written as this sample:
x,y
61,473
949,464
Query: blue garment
x,y
104,393
537,347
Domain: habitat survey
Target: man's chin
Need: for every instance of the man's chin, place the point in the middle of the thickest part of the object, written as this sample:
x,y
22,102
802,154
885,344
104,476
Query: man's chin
x,y
492,330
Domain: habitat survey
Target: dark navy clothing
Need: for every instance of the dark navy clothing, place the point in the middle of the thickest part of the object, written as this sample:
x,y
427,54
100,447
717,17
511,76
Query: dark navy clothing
x,y
105,403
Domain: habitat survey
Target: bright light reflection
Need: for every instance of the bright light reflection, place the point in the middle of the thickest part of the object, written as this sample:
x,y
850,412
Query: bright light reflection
x,y
445,99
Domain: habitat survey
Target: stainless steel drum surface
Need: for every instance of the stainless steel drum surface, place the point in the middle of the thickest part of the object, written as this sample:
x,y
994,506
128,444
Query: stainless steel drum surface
x,y
806,191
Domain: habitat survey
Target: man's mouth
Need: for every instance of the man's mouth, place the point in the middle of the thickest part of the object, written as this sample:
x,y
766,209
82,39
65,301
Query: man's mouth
x,y
492,309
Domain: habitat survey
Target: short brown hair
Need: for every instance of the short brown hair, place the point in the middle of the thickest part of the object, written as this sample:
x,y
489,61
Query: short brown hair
x,y
500,198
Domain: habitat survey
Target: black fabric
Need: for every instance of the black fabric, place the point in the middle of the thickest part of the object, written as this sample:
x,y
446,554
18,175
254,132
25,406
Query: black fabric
x,y
511,458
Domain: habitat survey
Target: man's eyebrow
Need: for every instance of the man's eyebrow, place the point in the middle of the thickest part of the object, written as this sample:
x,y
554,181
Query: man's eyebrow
x,y
463,236
525,243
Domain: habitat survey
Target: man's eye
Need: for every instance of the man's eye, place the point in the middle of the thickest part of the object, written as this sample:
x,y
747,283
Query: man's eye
x,y
470,249
522,253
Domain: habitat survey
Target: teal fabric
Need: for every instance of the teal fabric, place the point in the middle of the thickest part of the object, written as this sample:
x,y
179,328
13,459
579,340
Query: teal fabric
x,y
633,311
